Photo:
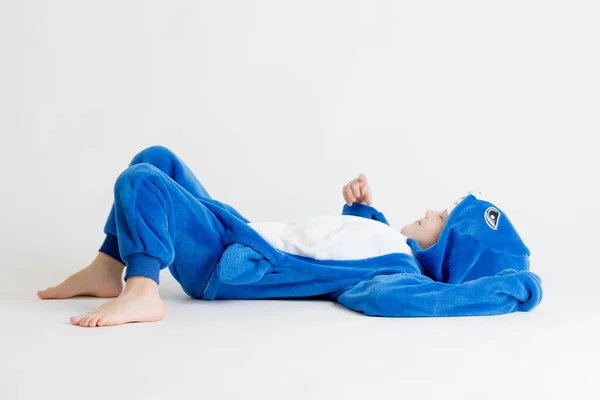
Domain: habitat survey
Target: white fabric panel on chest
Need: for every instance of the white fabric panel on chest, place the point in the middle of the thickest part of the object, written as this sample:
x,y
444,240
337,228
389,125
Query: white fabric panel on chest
x,y
333,237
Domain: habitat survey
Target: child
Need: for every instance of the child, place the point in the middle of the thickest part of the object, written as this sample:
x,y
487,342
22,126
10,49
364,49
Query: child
x,y
466,260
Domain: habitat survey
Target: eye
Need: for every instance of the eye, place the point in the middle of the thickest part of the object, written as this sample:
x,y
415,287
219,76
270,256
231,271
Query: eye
x,y
491,217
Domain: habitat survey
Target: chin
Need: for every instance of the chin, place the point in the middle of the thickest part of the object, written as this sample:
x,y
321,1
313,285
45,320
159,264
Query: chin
x,y
403,230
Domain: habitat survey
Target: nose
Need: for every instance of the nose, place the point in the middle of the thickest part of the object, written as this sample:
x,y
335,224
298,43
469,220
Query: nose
x,y
427,213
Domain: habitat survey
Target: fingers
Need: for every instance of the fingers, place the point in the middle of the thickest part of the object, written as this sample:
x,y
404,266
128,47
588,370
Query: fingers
x,y
348,196
357,190
366,194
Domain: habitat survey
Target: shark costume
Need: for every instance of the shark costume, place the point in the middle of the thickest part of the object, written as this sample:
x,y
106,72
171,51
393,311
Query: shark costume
x,y
163,217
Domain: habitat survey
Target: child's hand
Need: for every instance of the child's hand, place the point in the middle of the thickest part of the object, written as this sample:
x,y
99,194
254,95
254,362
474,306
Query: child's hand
x,y
357,191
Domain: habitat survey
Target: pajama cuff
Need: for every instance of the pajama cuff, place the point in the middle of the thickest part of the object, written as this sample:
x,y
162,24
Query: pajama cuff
x,y
111,247
365,211
141,264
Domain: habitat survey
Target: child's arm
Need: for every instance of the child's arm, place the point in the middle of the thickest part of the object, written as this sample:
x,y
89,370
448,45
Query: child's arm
x,y
359,197
412,295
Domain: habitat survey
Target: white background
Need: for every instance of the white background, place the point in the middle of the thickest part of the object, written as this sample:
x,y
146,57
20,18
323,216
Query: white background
x,y
275,105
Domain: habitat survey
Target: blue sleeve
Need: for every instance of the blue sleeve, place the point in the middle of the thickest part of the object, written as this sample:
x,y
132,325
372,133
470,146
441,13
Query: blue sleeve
x,y
365,211
411,295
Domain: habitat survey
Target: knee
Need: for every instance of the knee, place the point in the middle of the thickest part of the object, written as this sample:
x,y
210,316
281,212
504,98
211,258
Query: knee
x,y
155,155
130,178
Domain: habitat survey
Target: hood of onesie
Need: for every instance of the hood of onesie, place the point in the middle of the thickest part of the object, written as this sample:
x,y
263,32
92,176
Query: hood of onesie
x,y
478,240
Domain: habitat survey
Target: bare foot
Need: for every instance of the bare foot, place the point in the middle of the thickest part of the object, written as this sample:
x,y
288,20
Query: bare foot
x,y
102,278
140,302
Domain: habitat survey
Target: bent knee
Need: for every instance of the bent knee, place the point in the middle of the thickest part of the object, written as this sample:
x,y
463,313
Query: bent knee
x,y
136,173
154,155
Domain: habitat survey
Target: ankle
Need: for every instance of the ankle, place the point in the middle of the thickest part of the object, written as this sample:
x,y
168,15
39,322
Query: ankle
x,y
105,259
141,285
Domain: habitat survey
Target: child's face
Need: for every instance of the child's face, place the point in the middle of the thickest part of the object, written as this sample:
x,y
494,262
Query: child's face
x,y
426,231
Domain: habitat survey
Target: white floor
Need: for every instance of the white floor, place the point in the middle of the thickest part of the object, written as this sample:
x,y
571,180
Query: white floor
x,y
293,350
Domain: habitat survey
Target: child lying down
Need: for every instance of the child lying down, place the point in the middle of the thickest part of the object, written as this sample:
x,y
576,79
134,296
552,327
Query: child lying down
x,y
465,260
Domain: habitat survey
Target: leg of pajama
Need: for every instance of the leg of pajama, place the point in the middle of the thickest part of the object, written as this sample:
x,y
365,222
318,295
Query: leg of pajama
x,y
159,224
155,222
169,163
102,277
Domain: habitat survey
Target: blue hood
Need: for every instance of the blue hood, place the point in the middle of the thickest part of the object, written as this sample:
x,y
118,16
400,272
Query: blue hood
x,y
478,240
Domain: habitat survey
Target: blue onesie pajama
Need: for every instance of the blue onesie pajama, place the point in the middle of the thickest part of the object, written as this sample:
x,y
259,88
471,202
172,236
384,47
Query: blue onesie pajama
x,y
162,217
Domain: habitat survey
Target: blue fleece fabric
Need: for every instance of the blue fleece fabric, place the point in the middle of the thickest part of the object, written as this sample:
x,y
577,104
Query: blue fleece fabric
x,y
163,217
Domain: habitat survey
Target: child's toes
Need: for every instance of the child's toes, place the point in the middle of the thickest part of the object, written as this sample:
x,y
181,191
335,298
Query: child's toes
x,y
75,320
46,294
87,320
83,319
94,321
